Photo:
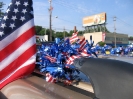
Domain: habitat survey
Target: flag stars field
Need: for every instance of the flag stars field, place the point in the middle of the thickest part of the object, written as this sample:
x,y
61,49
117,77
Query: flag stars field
x,y
17,3
7,10
3,25
1,33
22,18
12,25
16,10
24,11
5,18
14,18
26,4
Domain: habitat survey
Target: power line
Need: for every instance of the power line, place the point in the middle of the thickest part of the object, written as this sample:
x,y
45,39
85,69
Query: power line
x,y
71,6
69,21
124,22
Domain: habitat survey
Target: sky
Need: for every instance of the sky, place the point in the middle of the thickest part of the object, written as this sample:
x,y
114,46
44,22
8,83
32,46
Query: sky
x,y
69,13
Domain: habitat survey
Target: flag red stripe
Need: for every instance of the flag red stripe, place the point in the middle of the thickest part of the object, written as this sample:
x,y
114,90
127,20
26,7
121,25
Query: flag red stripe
x,y
17,43
82,41
19,74
51,58
74,37
18,62
71,59
82,46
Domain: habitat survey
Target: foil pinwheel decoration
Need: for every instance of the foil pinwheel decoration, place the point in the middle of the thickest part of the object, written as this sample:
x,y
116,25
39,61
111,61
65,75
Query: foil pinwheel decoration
x,y
56,59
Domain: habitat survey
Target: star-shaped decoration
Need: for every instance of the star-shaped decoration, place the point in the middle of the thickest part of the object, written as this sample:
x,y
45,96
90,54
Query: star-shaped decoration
x,y
12,25
24,11
14,18
25,3
3,25
22,18
16,10
5,17
1,33
7,10
17,3
10,4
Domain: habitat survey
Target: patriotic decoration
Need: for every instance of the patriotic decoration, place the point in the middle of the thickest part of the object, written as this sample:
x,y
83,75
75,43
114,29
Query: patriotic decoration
x,y
17,42
52,59
57,58
85,53
103,37
71,59
50,78
82,44
74,37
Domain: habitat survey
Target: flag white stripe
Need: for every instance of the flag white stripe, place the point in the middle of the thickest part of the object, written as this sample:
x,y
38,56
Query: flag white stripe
x,y
19,51
73,39
31,60
17,33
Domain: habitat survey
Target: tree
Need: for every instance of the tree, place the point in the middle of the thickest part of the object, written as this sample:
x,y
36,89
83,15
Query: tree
x,y
130,38
38,29
80,33
1,13
42,31
101,43
71,32
59,35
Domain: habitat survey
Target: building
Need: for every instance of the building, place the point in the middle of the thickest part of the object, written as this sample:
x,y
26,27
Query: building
x,y
108,38
42,38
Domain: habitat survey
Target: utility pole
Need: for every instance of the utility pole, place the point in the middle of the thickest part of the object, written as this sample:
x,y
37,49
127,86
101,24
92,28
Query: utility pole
x,y
45,35
50,20
64,32
114,31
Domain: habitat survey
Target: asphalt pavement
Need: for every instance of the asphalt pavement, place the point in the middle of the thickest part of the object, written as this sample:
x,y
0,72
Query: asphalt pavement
x,y
128,59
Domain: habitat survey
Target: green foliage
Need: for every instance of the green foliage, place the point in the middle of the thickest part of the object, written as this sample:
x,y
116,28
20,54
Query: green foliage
x,y
59,35
130,38
38,29
1,6
42,31
80,33
71,32
101,43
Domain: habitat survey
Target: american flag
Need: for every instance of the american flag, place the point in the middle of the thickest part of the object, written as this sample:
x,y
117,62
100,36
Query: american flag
x,y
17,42
84,53
50,78
70,60
74,37
52,59
82,44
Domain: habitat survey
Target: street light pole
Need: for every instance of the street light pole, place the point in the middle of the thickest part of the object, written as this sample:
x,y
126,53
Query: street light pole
x,y
114,31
